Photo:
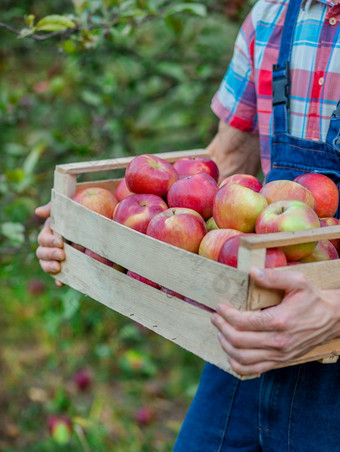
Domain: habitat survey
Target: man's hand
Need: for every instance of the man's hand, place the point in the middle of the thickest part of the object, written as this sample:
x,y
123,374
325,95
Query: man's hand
x,y
50,251
235,151
257,341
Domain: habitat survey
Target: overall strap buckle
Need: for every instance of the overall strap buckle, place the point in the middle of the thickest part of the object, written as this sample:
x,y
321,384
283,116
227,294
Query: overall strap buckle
x,y
336,112
281,84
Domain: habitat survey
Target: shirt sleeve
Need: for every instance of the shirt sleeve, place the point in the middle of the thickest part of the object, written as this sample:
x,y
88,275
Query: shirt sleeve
x,y
235,100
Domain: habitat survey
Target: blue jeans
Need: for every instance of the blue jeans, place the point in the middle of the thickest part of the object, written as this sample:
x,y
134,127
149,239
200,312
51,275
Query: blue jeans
x,y
294,409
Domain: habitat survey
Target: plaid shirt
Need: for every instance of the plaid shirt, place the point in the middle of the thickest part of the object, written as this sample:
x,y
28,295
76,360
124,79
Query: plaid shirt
x,y
244,99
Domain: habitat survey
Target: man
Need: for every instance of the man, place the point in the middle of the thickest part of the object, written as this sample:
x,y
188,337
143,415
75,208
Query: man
x,y
280,94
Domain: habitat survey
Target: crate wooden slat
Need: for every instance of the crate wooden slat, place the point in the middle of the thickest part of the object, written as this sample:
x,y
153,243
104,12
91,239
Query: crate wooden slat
x,y
195,277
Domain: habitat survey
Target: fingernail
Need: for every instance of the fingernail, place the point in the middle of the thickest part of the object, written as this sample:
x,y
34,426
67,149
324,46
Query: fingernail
x,y
258,272
215,319
57,242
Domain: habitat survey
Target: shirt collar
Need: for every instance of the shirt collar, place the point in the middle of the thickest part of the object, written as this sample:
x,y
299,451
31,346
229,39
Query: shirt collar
x,y
306,4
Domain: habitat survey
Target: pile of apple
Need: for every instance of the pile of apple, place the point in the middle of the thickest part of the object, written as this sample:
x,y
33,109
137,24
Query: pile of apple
x,y
186,205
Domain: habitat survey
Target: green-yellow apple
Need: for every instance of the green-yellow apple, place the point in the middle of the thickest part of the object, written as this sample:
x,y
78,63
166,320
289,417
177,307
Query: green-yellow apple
x,y
324,251
181,227
211,224
283,216
148,173
287,190
247,180
97,199
324,190
195,192
237,207
188,166
212,242
136,210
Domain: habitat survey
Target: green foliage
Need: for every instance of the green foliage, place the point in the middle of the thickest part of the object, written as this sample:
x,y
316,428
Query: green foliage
x,y
86,80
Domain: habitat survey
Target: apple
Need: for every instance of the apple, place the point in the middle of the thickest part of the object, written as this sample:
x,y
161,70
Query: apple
x,y
275,257
324,190
142,279
150,174
287,190
36,286
136,211
324,251
213,241
78,247
331,222
188,166
144,416
229,251
195,192
60,428
172,293
122,190
211,224
97,199
237,207
247,180
290,215
228,255
82,379
181,227
98,258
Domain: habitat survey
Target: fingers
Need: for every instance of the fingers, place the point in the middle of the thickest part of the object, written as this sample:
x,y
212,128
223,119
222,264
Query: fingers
x,y
50,251
276,279
47,238
264,320
43,211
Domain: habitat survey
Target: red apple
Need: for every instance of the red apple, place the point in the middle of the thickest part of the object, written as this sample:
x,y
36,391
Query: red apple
x,y
246,180
287,190
172,293
211,224
142,279
229,251
284,216
331,222
82,378
36,286
195,192
181,227
97,199
188,166
122,191
145,415
213,241
324,251
228,255
78,247
98,258
150,174
136,211
324,190
237,207
275,257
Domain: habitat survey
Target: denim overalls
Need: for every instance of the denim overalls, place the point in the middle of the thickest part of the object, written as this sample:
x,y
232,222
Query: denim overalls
x,y
292,409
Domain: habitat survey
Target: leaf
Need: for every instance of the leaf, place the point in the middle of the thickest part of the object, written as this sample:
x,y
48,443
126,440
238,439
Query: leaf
x,y
54,22
14,232
30,20
193,8
25,32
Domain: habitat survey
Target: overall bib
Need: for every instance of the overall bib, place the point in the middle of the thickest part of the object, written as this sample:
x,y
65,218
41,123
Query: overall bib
x,y
295,408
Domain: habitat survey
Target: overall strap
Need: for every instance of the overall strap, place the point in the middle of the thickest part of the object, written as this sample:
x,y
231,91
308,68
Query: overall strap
x,y
281,76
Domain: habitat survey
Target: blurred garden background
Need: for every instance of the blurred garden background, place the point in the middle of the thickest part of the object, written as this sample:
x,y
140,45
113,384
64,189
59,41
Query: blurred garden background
x,y
102,79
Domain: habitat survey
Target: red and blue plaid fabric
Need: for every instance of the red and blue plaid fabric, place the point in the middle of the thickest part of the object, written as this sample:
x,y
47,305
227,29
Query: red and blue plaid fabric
x,y
244,99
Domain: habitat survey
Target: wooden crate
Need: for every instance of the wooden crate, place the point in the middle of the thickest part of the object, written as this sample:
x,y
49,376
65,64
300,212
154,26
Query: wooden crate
x,y
196,277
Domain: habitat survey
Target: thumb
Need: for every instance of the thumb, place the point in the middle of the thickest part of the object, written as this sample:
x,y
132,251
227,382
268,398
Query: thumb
x,y
43,211
277,279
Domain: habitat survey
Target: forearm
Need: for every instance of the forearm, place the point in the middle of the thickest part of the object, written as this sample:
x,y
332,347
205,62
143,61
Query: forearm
x,y
235,151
